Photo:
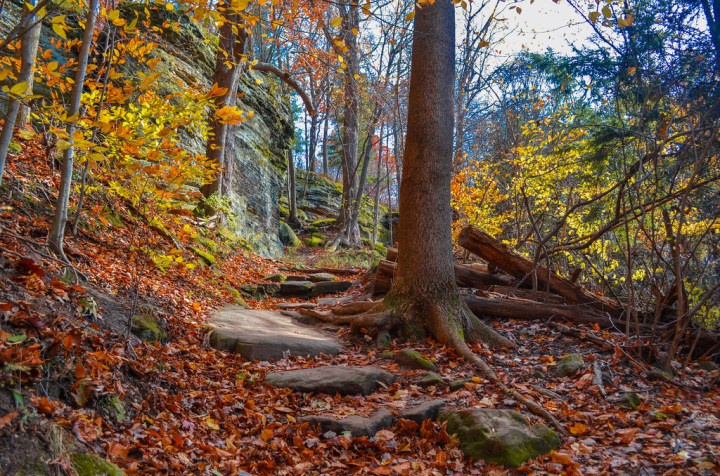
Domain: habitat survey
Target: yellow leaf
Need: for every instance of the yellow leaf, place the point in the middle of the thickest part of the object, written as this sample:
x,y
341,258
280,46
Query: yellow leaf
x,y
355,31
59,30
410,16
239,5
212,424
631,70
594,16
169,7
336,21
19,88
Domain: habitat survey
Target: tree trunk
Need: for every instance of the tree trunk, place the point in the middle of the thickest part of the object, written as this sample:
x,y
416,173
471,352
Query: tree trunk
x,y
424,296
57,230
325,144
351,123
227,74
16,113
376,208
292,190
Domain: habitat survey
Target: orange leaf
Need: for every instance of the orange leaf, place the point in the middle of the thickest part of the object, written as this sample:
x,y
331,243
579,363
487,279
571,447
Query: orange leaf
x,y
5,420
578,429
267,434
562,458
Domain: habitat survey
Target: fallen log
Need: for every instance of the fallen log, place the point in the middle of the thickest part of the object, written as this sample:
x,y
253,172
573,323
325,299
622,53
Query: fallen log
x,y
392,255
495,253
539,296
522,309
465,277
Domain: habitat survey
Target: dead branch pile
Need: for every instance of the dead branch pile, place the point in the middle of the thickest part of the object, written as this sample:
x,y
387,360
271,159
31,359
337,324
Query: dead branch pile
x,y
512,286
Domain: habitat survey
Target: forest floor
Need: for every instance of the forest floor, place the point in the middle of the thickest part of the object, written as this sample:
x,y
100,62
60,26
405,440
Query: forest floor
x,y
190,409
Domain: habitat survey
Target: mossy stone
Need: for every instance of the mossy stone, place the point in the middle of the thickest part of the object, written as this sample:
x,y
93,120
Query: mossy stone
x,y
205,256
569,365
629,400
430,379
147,328
287,235
456,385
111,407
708,365
412,359
314,241
502,437
90,465
34,468
276,277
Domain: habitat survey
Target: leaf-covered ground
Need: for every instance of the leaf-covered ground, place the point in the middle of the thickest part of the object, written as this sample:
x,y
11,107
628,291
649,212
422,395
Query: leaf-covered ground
x,y
193,410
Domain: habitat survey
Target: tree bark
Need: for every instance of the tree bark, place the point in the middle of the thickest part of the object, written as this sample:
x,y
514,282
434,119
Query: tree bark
x,y
57,230
424,295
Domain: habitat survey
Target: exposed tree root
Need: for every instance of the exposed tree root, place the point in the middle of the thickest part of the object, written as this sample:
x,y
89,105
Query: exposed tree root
x,y
378,316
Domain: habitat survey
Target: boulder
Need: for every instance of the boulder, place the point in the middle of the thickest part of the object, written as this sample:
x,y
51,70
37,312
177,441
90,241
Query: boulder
x,y
502,437
569,365
354,425
412,359
330,287
296,288
459,384
629,400
265,335
287,235
332,379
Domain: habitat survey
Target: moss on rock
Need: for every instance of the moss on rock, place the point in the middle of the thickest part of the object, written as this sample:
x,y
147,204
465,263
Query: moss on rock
x,y
90,465
111,407
502,437
413,359
569,365
147,327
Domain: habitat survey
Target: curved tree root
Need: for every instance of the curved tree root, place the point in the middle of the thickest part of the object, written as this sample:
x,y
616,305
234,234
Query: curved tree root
x,y
461,347
378,316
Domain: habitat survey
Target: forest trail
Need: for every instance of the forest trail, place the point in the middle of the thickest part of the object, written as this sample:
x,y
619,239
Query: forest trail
x,y
75,382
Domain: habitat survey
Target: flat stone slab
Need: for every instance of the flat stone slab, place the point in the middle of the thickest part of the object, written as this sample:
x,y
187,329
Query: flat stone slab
x,y
296,288
355,425
332,379
266,335
330,287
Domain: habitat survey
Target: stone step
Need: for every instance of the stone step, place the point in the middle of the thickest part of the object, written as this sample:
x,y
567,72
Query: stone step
x,y
332,379
266,335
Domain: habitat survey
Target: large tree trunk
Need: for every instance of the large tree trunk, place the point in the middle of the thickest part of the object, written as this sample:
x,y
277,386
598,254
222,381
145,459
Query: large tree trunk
x,y
424,296
292,190
57,230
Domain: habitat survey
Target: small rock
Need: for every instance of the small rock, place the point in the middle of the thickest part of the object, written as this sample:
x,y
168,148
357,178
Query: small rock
x,y
276,277
412,359
383,339
425,411
330,287
660,374
112,408
320,277
333,301
148,328
332,379
272,289
708,365
569,365
629,400
456,385
431,378
253,291
356,426
499,436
